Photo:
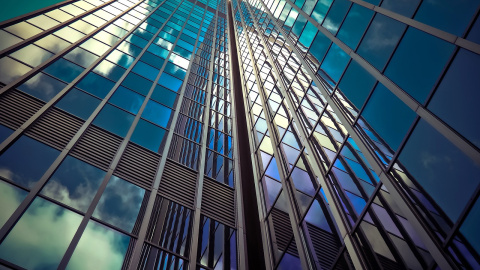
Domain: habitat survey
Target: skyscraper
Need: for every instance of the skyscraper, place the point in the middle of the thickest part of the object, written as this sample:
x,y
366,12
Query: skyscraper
x,y
213,134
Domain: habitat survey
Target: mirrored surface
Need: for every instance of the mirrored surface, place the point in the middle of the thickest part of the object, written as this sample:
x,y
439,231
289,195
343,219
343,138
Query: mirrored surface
x,y
10,198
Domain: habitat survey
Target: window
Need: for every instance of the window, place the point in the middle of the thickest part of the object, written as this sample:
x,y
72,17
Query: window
x,y
78,103
42,86
114,120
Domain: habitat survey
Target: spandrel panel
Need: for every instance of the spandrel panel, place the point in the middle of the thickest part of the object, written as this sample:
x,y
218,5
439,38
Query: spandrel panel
x,y
74,183
36,236
26,161
42,86
99,248
434,161
10,198
120,204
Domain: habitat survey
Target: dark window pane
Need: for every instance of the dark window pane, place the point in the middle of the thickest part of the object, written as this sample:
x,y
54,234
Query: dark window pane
x,y
64,70
99,248
403,7
4,132
42,235
145,70
320,46
474,34
137,83
120,203
148,135
388,116
127,99
78,103
356,84
450,16
42,86
456,99
26,161
153,60
170,82
164,96
335,62
434,161
355,25
114,120
157,113
96,85
335,15
10,199
470,226
74,183
380,40
417,63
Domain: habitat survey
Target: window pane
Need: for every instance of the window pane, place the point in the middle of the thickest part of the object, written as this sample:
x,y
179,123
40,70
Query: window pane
x,y
32,55
64,70
120,58
148,135
175,70
388,116
74,183
10,199
434,161
145,70
356,84
4,132
109,70
157,113
11,70
42,235
355,25
164,96
114,120
42,86
417,63
120,203
26,161
336,14
96,85
99,248
403,7
153,60
335,62
470,226
456,99
127,99
170,82
137,83
78,103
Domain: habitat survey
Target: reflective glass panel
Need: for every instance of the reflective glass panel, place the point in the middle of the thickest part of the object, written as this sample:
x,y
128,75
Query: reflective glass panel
x,y
11,70
32,55
109,70
356,84
126,99
4,132
164,96
96,85
81,57
42,86
145,70
148,135
114,120
10,198
170,82
335,62
354,25
64,70
157,113
137,83
78,103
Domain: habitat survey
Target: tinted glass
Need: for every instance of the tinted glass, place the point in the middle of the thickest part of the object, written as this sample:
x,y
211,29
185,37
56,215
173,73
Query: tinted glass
x,y
42,86
335,62
120,204
335,15
127,99
64,70
356,84
320,46
434,161
26,161
403,7
96,85
109,70
137,83
148,135
4,132
164,96
42,235
81,57
114,120
470,226
354,25
145,70
10,199
157,113
74,183
170,82
78,103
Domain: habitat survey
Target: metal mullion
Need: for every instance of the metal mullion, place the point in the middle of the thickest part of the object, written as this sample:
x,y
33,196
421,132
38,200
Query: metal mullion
x,y
413,216
451,38
16,134
36,189
300,243
317,170
136,255
49,31
458,140
196,221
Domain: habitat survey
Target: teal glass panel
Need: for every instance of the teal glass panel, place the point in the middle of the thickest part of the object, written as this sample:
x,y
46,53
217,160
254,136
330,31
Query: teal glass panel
x,y
64,70
335,62
157,50
450,16
380,40
26,161
78,103
182,52
335,15
388,116
474,34
308,35
175,70
152,60
42,87
36,236
148,135
356,84
157,113
470,226
74,183
164,96
170,82
137,83
145,70
99,248
320,46
109,70
321,10
96,85
456,98
4,132
10,198
403,7
299,25
434,161
120,204
417,63
354,25
114,120
126,99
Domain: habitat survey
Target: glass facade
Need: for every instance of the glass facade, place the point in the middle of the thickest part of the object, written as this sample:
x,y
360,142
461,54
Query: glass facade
x,y
129,131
